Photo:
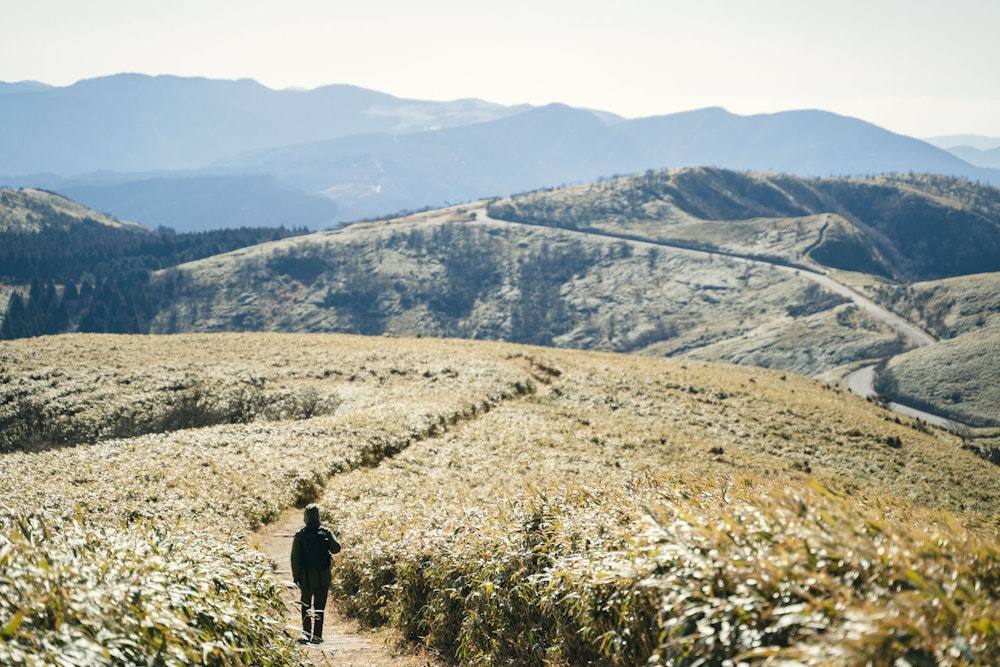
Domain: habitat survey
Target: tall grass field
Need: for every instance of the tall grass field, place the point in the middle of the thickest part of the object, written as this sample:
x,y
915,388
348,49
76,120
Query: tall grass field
x,y
498,504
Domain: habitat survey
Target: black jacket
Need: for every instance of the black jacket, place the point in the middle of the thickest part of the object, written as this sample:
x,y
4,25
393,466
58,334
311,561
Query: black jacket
x,y
312,577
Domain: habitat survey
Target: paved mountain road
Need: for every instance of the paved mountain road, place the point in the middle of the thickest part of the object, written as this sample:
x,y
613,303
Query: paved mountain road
x,y
862,383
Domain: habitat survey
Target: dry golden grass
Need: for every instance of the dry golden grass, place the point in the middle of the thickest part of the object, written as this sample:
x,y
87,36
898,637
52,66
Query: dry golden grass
x,y
508,503
639,509
960,376
181,499
28,210
376,395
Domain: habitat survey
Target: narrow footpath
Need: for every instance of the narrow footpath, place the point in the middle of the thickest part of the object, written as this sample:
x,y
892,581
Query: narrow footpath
x,y
344,643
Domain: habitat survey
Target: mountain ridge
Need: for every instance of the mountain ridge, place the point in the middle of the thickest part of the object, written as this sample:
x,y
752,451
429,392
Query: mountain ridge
x,y
373,154
75,129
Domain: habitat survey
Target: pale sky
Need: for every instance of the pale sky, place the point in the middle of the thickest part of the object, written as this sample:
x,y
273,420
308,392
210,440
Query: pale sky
x,y
916,67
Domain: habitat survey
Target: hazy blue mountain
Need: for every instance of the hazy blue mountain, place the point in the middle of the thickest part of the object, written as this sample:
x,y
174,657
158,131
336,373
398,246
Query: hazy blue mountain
x,y
979,141
378,174
133,122
555,145
975,149
981,158
22,87
197,203
802,143
195,153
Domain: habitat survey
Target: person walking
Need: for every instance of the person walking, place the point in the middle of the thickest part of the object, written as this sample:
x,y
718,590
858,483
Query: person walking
x,y
312,547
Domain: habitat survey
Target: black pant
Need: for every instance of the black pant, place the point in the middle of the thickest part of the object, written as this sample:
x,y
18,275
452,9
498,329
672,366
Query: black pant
x,y
313,605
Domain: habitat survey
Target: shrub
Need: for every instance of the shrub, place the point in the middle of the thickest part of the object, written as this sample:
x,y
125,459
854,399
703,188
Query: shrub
x,y
688,573
78,594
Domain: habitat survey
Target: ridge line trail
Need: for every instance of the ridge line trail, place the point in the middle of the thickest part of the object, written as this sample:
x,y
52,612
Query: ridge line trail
x,y
344,642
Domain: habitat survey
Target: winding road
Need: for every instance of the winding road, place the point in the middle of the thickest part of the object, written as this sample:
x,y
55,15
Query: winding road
x,y
861,381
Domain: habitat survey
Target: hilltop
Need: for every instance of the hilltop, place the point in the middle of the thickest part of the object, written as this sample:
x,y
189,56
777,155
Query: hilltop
x,y
571,502
64,267
915,227
32,210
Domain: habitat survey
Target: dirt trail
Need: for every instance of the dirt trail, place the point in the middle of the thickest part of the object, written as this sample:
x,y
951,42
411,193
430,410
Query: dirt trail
x,y
344,643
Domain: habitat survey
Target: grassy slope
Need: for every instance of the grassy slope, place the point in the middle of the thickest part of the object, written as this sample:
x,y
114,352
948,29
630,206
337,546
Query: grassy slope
x,y
899,226
132,553
594,293
902,226
596,439
961,374
28,210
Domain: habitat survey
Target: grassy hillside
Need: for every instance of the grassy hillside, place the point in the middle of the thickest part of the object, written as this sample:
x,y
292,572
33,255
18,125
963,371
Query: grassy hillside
x,y
27,210
501,503
447,273
912,227
67,268
961,375
948,308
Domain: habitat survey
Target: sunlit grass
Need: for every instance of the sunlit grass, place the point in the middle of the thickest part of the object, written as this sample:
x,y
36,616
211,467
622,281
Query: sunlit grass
x,y
497,503
82,594
129,550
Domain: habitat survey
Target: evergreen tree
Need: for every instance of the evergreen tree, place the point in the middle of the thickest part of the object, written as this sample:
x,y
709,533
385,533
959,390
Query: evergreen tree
x,y
14,321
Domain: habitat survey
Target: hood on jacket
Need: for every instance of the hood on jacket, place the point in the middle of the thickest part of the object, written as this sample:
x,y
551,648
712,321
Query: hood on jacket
x,y
311,515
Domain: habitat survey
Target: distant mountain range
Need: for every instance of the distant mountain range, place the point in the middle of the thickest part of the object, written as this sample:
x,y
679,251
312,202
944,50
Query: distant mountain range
x,y
192,153
138,123
974,149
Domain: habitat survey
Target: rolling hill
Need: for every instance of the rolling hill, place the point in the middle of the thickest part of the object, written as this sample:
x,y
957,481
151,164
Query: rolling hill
x,y
698,262
447,274
901,227
33,211
574,503
702,263
958,375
